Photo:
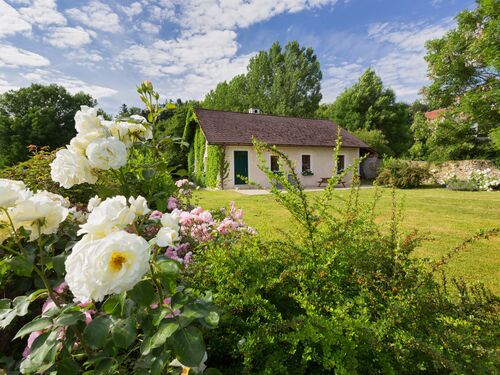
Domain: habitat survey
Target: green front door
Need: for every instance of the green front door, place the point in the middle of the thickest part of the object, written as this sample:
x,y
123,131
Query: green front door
x,y
240,167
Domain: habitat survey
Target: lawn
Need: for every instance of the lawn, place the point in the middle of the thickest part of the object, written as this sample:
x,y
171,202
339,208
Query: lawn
x,y
445,217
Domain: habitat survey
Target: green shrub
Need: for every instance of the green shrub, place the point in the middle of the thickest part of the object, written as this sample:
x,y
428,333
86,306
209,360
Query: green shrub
x,y
35,172
340,295
402,174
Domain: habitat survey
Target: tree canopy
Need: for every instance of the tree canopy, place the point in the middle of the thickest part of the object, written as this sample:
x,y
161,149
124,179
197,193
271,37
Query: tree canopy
x,y
369,105
281,81
464,66
37,115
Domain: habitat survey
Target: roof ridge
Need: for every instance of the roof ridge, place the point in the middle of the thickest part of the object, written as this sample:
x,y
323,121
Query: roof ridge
x,y
264,114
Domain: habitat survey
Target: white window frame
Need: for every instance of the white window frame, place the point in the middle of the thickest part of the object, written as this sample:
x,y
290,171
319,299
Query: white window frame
x,y
310,162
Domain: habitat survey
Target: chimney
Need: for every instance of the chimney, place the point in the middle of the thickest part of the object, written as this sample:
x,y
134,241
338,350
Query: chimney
x,y
255,111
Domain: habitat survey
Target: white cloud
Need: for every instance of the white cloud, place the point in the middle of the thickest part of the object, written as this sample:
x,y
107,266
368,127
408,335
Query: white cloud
x,y
338,77
147,27
132,10
72,84
11,22
12,57
404,68
5,85
68,37
196,16
96,15
43,12
89,59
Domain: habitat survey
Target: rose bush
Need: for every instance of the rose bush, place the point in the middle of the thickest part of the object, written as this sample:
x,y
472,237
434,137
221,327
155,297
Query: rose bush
x,y
109,273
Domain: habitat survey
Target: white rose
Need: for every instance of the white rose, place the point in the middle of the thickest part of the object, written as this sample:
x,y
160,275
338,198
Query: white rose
x,y
54,197
106,153
93,203
128,132
40,214
139,205
70,168
5,227
81,141
113,264
171,220
12,191
87,121
112,215
167,237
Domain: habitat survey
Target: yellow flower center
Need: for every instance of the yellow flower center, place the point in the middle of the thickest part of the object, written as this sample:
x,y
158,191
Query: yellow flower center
x,y
116,261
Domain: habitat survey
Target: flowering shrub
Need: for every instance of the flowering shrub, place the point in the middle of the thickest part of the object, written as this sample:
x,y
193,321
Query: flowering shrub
x,y
341,294
476,181
401,174
110,274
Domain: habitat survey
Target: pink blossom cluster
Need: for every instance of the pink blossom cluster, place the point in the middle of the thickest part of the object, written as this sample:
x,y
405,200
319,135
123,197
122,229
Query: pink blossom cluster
x,y
48,305
185,187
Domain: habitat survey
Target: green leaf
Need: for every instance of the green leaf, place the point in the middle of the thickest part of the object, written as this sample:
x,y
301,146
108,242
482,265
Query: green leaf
x,y
114,304
70,318
212,318
22,266
165,330
21,305
43,353
159,363
189,346
168,268
67,367
35,325
143,293
123,333
96,333
58,263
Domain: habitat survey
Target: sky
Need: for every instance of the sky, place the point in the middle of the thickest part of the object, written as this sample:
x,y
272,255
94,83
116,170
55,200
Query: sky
x,y
185,47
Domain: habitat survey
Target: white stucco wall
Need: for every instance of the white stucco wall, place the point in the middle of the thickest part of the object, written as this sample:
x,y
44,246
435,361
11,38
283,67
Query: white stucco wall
x,y
321,163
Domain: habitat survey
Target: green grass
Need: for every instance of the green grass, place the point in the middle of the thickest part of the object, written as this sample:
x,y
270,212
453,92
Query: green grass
x,y
445,217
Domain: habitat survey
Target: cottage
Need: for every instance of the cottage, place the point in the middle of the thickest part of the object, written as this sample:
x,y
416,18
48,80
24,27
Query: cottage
x,y
222,147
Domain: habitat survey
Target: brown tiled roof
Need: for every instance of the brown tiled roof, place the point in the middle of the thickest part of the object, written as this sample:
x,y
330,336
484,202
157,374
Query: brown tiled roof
x,y
234,128
432,115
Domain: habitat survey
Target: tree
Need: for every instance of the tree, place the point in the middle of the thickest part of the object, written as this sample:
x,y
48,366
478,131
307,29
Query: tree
x,y
368,105
39,115
464,66
375,139
279,81
126,111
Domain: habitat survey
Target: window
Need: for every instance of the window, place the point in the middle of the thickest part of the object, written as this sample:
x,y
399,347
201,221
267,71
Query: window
x,y
340,163
306,163
275,167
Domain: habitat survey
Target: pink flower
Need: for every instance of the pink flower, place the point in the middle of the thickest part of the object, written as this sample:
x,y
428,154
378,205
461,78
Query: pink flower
x,y
155,215
88,316
181,183
197,211
172,204
31,339
61,288
48,304
206,216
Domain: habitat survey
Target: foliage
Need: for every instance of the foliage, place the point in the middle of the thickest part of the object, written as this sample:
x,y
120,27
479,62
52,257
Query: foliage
x,y
279,82
369,105
495,138
174,127
35,173
110,273
420,130
375,139
402,174
340,295
37,115
215,156
199,156
464,66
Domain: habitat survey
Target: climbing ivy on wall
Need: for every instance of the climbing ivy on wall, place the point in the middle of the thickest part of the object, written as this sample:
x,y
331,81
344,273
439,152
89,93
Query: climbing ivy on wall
x,y
199,153
215,170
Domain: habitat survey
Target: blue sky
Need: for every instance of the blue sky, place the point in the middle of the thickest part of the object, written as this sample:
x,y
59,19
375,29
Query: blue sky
x,y
187,46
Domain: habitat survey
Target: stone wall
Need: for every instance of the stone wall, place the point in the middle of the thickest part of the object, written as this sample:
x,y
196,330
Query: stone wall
x,y
462,169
